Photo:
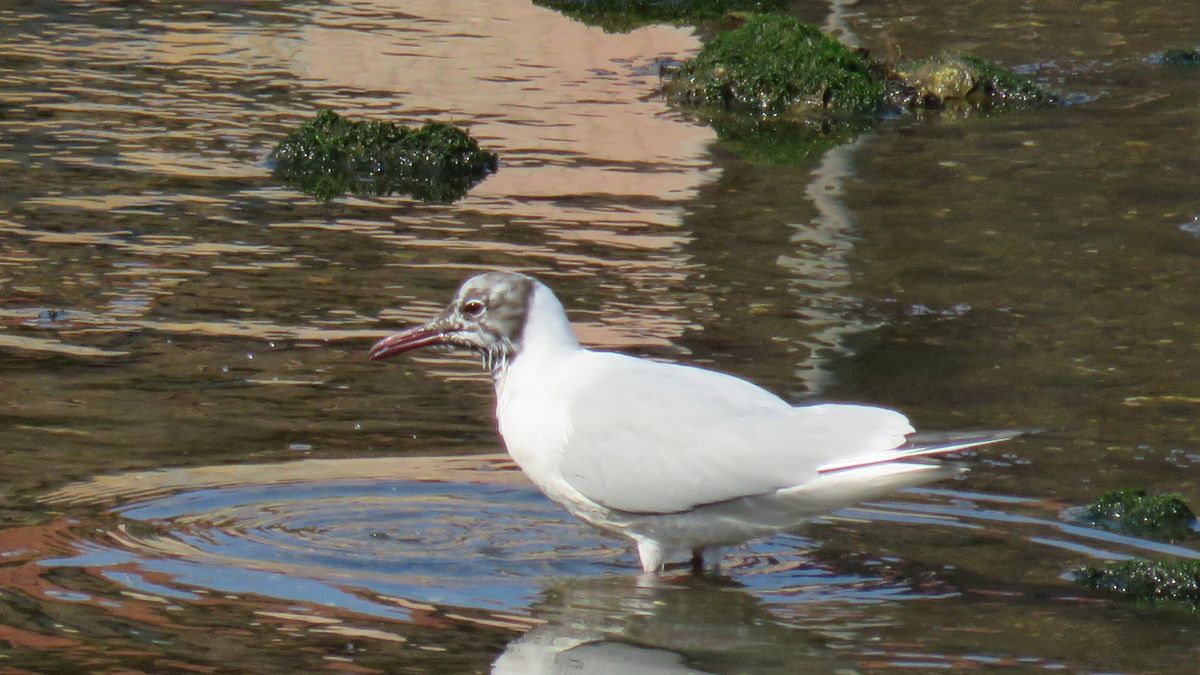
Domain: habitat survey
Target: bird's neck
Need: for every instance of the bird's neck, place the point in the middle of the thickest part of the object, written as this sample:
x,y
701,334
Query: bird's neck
x,y
546,336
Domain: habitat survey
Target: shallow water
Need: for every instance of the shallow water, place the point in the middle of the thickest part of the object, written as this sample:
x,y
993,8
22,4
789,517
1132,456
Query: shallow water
x,y
201,469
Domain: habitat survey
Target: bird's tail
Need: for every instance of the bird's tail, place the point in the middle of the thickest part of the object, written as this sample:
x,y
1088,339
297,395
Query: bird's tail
x,y
923,445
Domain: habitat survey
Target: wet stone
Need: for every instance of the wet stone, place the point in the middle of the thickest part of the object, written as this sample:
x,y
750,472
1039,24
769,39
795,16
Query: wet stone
x,y
1147,580
1181,57
963,84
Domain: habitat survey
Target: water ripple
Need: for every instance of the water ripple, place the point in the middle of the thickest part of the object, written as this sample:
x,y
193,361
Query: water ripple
x,y
455,529
331,544
450,540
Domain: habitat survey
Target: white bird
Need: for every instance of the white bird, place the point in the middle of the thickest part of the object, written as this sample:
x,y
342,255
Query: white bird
x,y
680,459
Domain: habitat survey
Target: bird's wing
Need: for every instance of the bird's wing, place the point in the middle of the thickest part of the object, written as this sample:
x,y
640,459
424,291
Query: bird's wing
x,y
929,445
652,437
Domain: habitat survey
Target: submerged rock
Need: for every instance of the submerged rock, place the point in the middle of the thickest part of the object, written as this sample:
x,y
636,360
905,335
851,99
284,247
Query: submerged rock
x,y
1180,57
332,155
1147,580
963,83
1134,512
622,16
776,65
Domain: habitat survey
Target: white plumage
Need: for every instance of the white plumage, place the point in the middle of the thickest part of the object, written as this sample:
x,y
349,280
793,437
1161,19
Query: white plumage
x,y
680,459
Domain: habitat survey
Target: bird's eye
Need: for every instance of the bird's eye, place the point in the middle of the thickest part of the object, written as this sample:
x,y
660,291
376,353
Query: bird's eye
x,y
472,308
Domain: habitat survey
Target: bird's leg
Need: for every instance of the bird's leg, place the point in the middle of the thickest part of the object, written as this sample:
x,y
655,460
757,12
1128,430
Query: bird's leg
x,y
651,555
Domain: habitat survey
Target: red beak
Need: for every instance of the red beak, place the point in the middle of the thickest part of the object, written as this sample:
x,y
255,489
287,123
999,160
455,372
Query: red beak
x,y
413,338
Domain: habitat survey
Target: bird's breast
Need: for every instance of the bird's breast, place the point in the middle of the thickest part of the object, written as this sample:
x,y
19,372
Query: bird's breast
x,y
532,417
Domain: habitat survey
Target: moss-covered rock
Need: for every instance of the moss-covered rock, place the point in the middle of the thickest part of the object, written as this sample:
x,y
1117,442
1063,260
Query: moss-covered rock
x,y
1180,57
332,155
622,16
964,84
754,81
1147,580
776,65
1134,512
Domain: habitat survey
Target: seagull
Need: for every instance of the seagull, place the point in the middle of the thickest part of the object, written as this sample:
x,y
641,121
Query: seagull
x,y
680,459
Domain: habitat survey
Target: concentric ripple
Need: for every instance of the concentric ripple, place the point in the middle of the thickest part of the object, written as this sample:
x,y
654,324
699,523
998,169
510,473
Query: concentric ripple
x,y
379,528
381,549
459,531
446,530
374,536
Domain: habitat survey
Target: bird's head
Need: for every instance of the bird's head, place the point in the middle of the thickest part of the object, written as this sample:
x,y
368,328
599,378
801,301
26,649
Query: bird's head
x,y
487,315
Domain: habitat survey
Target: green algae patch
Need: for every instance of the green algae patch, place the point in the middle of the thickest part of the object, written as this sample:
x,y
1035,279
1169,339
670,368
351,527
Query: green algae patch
x,y
779,91
1180,57
1151,581
776,65
1134,512
964,84
331,156
622,16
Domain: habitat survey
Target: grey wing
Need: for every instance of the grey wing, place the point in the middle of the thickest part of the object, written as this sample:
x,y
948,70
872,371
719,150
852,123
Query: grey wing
x,y
677,437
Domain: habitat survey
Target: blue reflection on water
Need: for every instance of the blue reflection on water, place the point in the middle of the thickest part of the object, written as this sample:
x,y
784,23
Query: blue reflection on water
x,y
375,546
350,543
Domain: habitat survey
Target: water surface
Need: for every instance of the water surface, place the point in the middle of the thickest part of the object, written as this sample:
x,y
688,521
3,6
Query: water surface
x,y
200,468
